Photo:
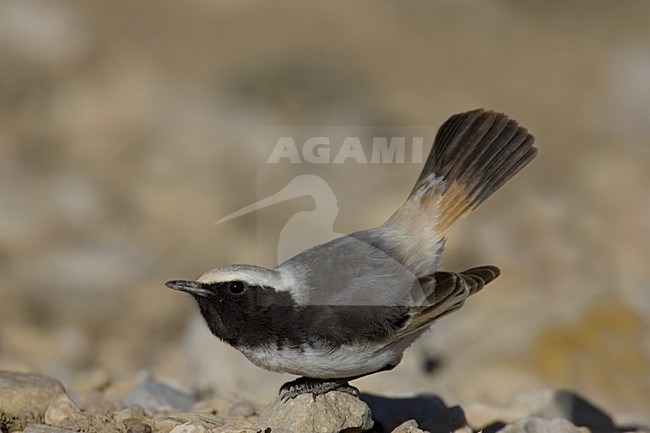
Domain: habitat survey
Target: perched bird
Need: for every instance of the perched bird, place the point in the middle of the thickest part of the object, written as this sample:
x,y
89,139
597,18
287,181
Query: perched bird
x,y
350,307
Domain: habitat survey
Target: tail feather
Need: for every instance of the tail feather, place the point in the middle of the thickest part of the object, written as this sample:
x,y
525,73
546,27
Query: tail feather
x,y
517,161
474,153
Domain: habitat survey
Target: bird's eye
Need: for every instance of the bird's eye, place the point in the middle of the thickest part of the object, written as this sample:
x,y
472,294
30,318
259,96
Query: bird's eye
x,y
236,287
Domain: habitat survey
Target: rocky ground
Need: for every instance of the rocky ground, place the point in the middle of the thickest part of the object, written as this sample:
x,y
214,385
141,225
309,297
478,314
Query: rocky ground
x,y
128,128
35,403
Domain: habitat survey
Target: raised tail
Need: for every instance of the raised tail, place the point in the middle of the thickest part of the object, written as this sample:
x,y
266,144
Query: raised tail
x,y
473,155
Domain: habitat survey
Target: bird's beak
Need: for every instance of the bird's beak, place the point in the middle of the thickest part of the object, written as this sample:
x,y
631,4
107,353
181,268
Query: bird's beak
x,y
191,287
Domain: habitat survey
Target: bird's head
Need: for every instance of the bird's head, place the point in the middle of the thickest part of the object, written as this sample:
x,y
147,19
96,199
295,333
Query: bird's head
x,y
236,283
229,296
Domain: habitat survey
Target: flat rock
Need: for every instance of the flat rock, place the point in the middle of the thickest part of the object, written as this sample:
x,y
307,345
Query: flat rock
x,y
190,427
410,426
228,404
240,427
139,428
65,414
24,398
333,412
43,428
62,411
129,415
165,423
156,397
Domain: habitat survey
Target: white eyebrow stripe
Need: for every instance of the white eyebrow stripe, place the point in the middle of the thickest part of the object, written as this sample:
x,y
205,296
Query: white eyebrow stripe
x,y
251,275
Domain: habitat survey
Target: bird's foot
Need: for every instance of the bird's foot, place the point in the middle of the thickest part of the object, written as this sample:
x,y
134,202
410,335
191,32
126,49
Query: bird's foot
x,y
315,387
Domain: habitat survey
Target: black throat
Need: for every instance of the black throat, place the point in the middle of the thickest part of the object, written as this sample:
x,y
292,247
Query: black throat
x,y
256,318
266,317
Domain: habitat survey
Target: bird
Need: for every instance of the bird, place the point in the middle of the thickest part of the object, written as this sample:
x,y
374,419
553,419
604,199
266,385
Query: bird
x,y
350,307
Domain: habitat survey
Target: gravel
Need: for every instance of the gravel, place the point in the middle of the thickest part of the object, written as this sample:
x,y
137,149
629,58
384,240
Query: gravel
x,y
34,403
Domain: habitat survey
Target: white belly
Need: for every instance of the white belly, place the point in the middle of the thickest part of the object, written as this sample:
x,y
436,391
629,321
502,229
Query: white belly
x,y
325,363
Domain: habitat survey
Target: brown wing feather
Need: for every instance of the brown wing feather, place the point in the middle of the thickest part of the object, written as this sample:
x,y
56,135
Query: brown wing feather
x,y
445,293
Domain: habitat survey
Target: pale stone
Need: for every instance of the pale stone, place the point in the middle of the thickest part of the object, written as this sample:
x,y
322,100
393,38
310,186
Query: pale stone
x,y
410,426
189,427
25,397
539,425
240,427
62,412
332,412
42,428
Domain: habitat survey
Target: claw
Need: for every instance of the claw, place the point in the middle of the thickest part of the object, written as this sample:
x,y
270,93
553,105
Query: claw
x,y
315,387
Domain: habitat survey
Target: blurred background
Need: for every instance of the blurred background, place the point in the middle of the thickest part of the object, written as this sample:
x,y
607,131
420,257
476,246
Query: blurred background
x,y
128,128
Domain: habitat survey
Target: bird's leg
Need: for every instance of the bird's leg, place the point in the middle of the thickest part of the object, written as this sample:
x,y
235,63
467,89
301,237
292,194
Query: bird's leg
x,y
315,387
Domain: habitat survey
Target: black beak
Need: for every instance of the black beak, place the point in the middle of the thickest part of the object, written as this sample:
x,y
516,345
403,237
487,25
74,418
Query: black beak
x,y
191,287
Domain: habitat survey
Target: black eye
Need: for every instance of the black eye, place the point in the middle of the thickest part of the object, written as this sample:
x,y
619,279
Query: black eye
x,y
236,287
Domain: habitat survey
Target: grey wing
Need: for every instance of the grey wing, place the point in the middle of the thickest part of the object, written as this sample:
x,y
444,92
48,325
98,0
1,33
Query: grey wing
x,y
367,292
445,293
352,270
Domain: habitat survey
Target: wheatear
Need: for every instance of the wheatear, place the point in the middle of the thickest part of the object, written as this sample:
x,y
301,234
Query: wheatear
x,y
350,307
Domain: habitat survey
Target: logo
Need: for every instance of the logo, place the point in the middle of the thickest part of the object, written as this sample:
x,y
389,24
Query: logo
x,y
332,166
